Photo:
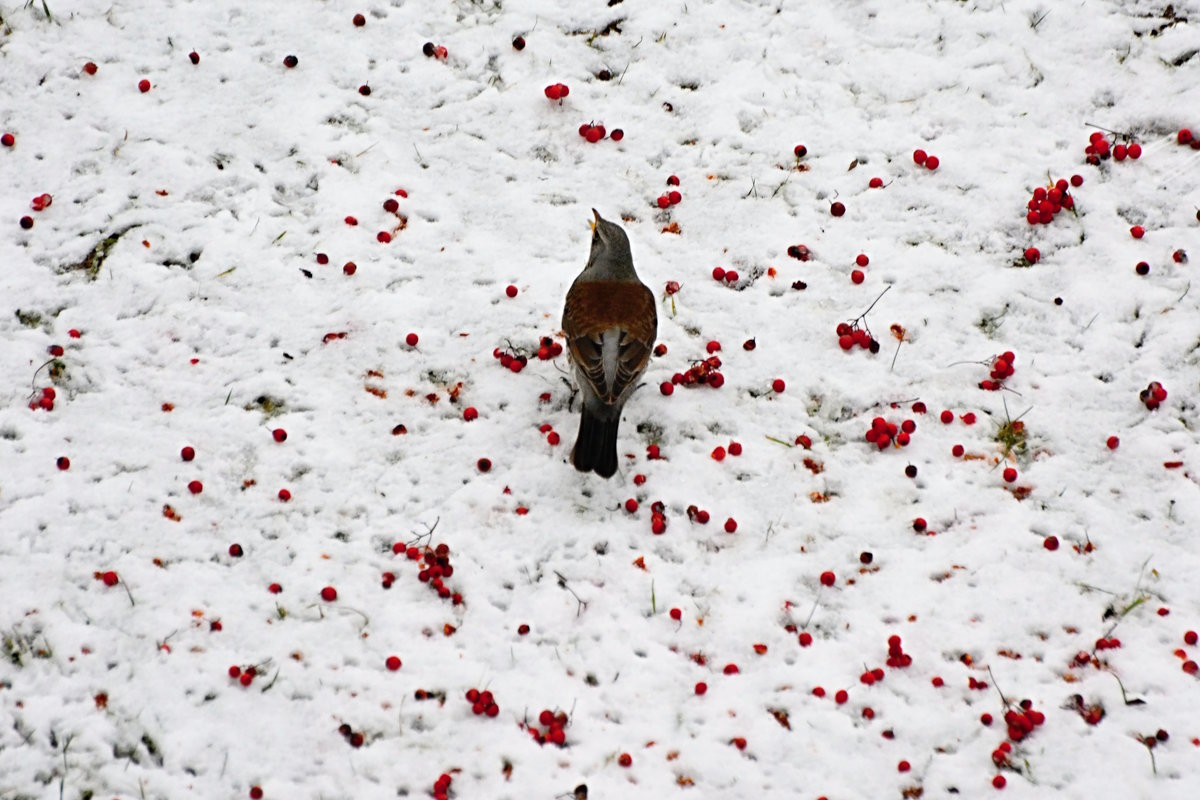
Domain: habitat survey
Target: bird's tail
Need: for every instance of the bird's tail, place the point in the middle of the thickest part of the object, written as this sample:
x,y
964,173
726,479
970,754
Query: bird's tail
x,y
596,445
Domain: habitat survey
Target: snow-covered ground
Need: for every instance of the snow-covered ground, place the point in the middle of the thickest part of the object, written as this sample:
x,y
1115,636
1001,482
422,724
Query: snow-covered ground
x,y
205,321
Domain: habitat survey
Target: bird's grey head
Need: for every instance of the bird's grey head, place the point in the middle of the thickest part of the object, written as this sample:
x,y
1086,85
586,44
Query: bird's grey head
x,y
610,256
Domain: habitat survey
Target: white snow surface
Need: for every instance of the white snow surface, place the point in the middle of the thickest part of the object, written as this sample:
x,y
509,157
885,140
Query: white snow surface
x,y
227,178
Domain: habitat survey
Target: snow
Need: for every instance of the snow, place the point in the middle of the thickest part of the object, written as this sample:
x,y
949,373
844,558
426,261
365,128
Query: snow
x,y
227,178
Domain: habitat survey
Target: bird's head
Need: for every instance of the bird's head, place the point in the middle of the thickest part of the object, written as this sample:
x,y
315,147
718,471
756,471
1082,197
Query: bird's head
x,y
610,248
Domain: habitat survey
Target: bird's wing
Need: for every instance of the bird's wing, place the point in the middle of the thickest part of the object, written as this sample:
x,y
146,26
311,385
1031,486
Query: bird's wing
x,y
610,328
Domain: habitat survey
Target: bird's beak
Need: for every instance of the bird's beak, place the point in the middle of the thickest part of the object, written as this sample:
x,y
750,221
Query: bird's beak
x,y
595,223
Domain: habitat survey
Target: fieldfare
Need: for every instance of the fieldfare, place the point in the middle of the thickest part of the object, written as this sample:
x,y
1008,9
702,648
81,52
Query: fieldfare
x,y
610,321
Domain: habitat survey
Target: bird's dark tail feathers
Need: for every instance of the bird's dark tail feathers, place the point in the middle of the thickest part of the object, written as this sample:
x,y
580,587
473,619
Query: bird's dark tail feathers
x,y
596,445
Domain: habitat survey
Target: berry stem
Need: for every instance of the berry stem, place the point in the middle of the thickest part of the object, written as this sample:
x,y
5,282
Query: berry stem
x,y
999,691
779,441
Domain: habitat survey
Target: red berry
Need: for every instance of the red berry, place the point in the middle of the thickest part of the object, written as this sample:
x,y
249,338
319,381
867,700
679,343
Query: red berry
x,y
735,448
284,496
26,222
663,201
275,588
1032,255
730,525
235,550
256,793
290,61
392,663
828,578
470,413
617,135
862,260
1190,637
322,258
857,276
1190,667
999,782
837,209
841,697
411,340
625,760
875,183
8,140
1113,443
195,487
1142,268
667,388
904,766
675,197
63,463
511,290
1009,474
731,669
383,237
90,67
718,454
778,385
518,43
701,687
731,276
359,20
110,578
594,134
193,56
1050,543
947,417
932,163
1179,257
279,435
676,614
718,274
806,639
800,150
143,86
1137,231
631,505
187,453
1135,151
349,268
919,156
329,594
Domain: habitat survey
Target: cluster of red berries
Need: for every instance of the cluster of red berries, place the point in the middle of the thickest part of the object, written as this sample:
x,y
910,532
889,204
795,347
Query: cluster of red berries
x,y
41,202
1091,713
552,437
482,703
45,400
706,372
353,738
1153,395
799,252
658,518
1184,137
1046,203
1101,149
726,276
850,334
1107,643
719,452
896,656
437,51
697,514
671,197
245,676
595,131
510,359
441,787
923,159
553,728
557,91
871,676
435,567
883,433
1002,368
548,348
1021,723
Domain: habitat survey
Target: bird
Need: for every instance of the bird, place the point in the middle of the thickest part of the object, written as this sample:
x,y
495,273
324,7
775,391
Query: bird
x,y
610,322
